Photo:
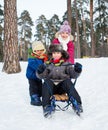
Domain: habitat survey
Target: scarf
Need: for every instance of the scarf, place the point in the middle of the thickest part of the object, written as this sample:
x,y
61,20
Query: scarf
x,y
56,62
64,42
42,57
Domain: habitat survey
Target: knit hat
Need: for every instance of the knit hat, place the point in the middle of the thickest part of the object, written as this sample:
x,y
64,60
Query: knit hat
x,y
65,27
38,45
57,48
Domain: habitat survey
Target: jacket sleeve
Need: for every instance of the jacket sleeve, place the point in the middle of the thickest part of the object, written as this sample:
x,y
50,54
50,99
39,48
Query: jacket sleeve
x,y
71,51
71,72
43,75
33,63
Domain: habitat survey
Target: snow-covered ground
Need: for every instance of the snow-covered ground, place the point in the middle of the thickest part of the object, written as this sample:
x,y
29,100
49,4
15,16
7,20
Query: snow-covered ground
x,y
16,113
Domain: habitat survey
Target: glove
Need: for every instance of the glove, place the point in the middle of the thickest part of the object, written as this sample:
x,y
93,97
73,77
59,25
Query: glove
x,y
41,68
78,67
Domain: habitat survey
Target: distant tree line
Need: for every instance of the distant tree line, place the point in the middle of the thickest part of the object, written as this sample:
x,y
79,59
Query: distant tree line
x,y
82,19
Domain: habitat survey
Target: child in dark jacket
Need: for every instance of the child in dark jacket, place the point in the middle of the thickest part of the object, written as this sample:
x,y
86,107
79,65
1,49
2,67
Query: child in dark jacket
x,y
57,74
36,57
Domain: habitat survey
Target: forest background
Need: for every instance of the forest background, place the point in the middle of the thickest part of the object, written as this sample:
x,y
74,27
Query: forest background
x,y
88,20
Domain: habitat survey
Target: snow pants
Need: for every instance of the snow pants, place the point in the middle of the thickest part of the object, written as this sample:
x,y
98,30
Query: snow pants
x,y
35,87
66,86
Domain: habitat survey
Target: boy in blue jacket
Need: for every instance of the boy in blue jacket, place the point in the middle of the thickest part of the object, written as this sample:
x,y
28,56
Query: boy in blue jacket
x,y
36,57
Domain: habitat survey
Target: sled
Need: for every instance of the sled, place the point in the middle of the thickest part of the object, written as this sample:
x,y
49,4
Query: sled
x,y
60,97
63,97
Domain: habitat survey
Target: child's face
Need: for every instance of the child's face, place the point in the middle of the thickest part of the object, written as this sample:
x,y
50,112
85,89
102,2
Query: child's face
x,y
56,55
39,52
64,35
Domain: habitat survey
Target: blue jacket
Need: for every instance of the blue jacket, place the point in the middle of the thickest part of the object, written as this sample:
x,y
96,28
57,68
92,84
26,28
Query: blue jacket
x,y
33,64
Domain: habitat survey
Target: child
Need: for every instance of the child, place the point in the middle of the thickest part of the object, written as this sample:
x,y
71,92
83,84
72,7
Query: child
x,y
57,74
65,38
36,57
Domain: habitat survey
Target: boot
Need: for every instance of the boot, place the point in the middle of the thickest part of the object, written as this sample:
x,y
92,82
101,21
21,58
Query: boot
x,y
77,107
48,110
35,100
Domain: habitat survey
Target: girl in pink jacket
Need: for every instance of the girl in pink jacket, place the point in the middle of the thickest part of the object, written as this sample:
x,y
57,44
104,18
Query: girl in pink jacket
x,y
65,38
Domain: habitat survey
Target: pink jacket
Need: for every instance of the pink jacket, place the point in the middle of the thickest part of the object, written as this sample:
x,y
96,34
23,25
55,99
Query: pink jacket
x,y
70,49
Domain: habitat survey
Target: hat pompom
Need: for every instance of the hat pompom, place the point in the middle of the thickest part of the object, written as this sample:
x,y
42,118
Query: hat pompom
x,y
65,23
65,27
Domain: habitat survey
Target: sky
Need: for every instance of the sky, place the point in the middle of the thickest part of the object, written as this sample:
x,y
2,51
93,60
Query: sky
x,y
38,7
16,113
46,7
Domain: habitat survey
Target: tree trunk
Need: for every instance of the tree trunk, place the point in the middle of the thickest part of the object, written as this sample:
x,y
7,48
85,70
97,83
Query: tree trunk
x,y
20,50
11,57
84,30
92,31
69,12
78,48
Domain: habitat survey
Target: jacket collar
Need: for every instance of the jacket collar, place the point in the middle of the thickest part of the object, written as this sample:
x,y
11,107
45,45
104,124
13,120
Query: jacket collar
x,y
56,62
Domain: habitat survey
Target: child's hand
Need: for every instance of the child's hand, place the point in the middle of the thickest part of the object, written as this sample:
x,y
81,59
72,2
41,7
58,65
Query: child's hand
x,y
41,68
78,67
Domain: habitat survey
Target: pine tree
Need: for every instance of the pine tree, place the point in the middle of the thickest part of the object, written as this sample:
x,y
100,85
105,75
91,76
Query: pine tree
x,y
25,34
11,58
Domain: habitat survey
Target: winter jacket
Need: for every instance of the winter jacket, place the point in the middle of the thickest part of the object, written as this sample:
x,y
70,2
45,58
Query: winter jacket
x,y
59,72
70,48
33,64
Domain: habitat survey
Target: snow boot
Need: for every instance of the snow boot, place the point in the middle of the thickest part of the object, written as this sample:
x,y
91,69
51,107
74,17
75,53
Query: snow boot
x,y
48,110
35,100
77,107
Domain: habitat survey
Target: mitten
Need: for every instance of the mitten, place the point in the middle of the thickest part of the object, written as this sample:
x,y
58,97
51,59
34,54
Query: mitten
x,y
41,68
78,67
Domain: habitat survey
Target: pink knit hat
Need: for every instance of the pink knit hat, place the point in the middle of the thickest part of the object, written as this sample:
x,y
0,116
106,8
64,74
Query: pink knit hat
x,y
65,27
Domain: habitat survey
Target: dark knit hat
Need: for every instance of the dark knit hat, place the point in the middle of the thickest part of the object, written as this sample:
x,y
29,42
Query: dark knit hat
x,y
57,48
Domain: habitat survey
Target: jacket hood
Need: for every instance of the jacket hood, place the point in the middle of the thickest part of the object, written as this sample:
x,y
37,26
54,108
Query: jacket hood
x,y
57,48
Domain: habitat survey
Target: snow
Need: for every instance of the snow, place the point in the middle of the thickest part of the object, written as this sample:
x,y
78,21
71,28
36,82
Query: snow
x,y
16,113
